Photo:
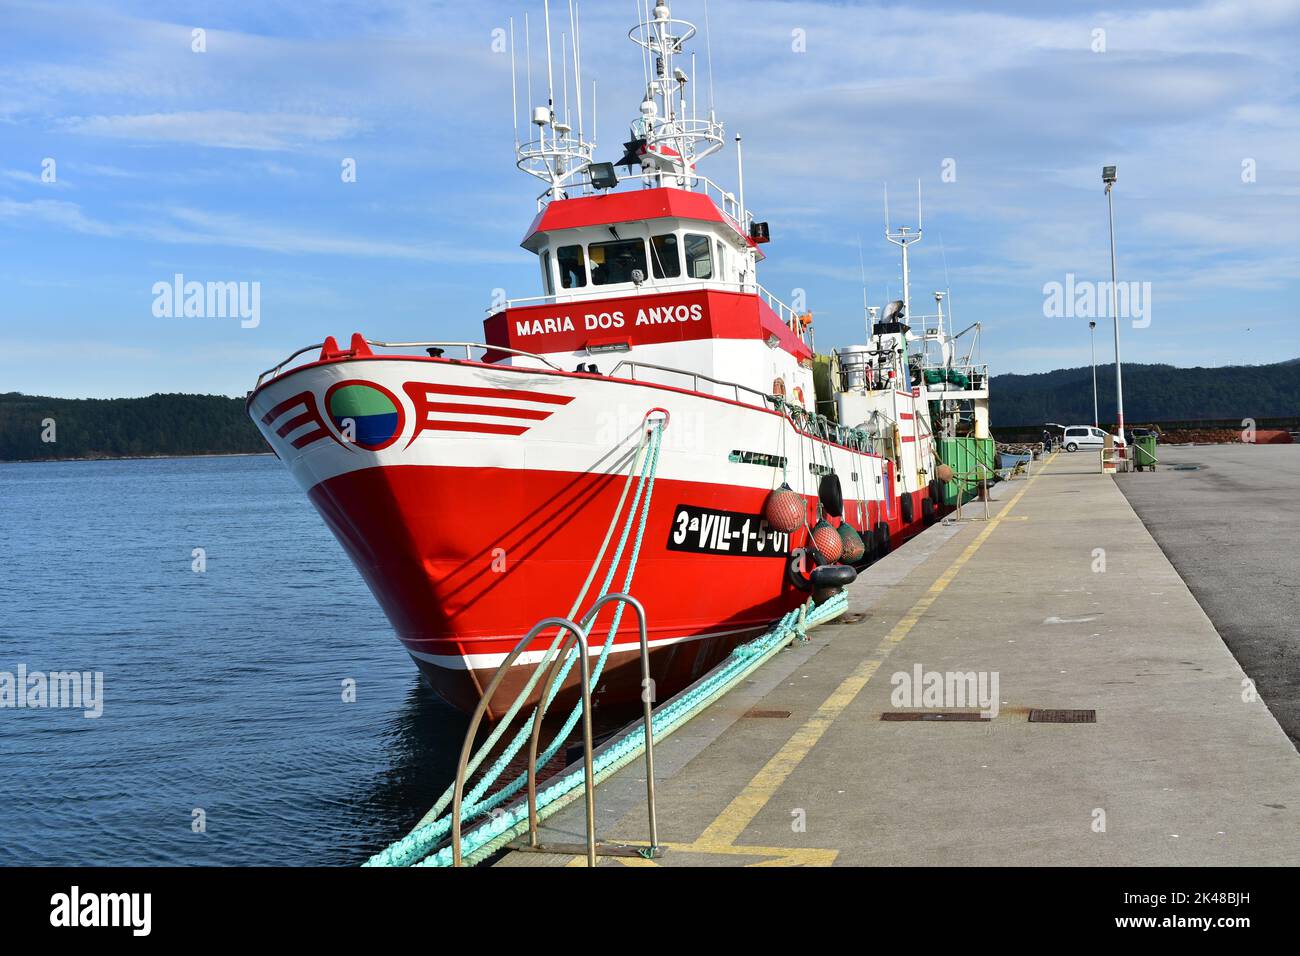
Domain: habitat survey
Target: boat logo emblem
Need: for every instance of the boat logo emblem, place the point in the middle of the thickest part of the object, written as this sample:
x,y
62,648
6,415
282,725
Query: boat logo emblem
x,y
368,415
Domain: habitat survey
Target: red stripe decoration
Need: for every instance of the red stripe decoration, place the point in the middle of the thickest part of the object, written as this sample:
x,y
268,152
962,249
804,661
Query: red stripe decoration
x,y
906,416
310,414
427,410
490,428
545,398
531,413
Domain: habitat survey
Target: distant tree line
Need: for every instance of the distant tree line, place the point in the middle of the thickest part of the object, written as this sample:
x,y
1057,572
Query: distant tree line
x,y
1152,393
214,424
124,427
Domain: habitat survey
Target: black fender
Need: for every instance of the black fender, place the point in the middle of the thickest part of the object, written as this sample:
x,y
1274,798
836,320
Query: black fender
x,y
794,567
936,491
929,513
831,495
905,502
833,576
882,539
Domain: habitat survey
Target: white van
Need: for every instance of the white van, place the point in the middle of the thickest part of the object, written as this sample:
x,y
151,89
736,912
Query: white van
x,y
1075,437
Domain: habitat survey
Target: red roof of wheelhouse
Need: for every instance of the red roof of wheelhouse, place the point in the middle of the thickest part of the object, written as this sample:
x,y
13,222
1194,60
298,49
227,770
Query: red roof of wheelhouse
x,y
634,206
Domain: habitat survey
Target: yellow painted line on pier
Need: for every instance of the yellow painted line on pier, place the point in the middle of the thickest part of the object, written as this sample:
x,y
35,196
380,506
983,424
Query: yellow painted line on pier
x,y
719,838
732,821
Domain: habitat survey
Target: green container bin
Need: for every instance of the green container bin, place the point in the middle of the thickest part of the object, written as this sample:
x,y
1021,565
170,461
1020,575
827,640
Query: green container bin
x,y
1144,453
964,456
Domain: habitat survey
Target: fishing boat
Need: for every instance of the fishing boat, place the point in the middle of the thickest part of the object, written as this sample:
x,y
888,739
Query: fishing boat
x,y
473,483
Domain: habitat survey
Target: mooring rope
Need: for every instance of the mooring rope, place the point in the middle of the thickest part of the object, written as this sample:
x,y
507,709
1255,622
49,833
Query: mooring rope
x,y
505,721
494,833
432,827
422,845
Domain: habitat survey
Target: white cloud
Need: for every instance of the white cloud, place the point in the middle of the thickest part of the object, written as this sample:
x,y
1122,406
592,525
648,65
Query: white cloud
x,y
230,129
189,226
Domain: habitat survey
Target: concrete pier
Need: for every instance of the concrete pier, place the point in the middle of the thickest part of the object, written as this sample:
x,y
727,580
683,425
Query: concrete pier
x,y
1065,599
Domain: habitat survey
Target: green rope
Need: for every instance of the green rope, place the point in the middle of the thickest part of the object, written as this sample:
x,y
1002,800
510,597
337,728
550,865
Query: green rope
x,y
494,833
428,833
504,723
417,847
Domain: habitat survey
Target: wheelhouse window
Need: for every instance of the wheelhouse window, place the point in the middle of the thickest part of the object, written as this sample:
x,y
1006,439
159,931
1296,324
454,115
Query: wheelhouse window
x,y
699,256
547,283
573,266
722,259
665,258
613,262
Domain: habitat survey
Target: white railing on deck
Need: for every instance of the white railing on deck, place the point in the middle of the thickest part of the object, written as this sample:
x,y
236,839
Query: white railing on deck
x,y
726,201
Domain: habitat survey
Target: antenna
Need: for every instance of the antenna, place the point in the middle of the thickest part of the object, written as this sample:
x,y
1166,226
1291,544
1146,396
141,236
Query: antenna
x,y
576,28
708,52
862,268
695,89
514,85
903,238
947,282
550,70
528,53
675,138
558,155
564,75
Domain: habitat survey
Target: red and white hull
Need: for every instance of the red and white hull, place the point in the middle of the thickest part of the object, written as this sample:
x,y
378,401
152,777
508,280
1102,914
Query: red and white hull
x,y
482,511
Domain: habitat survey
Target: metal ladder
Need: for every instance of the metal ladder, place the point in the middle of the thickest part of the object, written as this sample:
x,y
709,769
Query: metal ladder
x,y
577,636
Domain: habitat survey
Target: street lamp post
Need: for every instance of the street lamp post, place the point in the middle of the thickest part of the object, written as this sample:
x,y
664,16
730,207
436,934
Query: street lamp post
x,y
1108,177
1092,334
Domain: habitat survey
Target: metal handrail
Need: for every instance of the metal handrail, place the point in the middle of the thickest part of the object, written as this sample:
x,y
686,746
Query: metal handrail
x,y
648,718
729,205
577,637
275,369
581,293
981,476
780,308
1117,457
695,377
467,346
458,793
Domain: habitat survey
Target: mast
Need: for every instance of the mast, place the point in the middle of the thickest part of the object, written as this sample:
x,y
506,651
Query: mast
x,y
904,238
675,137
669,138
559,155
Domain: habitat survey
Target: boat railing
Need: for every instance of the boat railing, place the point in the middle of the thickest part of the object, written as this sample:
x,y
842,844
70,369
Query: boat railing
x,y
469,348
649,287
576,638
726,201
788,316
977,375
810,422
764,400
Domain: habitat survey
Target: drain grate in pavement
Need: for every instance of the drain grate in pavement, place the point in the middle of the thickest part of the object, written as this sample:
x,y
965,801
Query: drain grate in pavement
x,y
756,712
931,715
1062,716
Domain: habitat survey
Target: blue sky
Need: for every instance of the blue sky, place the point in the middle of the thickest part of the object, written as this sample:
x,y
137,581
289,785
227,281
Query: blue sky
x,y
225,166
